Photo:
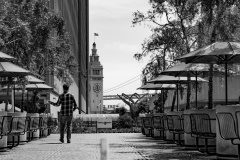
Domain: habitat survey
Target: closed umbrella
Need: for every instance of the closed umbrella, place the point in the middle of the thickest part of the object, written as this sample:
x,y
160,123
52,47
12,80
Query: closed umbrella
x,y
215,53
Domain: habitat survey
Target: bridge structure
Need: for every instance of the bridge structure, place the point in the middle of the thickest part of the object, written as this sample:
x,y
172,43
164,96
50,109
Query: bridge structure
x,y
116,97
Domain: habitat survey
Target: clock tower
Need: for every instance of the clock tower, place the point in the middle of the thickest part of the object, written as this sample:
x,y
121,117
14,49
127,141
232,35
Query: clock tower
x,y
95,83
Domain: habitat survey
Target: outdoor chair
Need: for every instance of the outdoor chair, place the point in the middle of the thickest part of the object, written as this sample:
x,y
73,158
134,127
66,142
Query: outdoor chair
x,y
43,126
186,123
4,127
52,123
201,129
158,124
174,123
228,128
34,126
140,124
147,124
17,126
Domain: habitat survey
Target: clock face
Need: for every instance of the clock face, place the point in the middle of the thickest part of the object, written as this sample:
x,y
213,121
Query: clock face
x,y
97,87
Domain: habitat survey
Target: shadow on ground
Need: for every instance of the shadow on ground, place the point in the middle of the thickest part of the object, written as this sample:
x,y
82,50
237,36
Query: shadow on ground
x,y
155,149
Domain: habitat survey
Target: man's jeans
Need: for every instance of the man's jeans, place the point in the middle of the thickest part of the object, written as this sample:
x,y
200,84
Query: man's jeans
x,y
63,121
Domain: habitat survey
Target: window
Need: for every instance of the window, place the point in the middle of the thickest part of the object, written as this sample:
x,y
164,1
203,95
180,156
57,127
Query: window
x,y
96,72
95,59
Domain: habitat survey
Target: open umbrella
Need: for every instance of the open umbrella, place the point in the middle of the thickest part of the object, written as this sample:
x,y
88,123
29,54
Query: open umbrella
x,y
152,86
163,79
33,80
5,57
8,69
193,70
216,53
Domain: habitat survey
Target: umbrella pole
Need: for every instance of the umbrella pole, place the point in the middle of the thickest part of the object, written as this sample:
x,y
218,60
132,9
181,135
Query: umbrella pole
x,y
22,101
27,102
196,91
13,97
177,98
162,101
226,87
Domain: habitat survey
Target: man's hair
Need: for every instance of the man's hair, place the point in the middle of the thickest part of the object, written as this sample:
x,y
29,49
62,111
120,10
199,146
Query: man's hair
x,y
65,87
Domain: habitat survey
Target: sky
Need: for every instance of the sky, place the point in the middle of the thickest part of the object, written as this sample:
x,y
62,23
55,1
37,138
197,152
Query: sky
x,y
117,42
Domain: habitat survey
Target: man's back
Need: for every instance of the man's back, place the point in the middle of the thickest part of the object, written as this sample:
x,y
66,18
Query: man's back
x,y
68,104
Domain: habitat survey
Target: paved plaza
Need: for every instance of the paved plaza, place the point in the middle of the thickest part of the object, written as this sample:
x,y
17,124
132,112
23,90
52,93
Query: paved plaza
x,y
122,146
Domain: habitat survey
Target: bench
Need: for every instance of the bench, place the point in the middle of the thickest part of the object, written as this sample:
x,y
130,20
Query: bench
x,y
228,127
174,123
201,129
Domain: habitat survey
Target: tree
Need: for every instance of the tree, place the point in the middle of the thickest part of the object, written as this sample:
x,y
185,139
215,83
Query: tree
x,y
36,36
179,27
175,36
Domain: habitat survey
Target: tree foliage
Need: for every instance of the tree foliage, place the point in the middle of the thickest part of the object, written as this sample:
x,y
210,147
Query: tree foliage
x,y
37,37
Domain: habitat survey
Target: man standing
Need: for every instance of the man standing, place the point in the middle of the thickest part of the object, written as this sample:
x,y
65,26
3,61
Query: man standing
x,y
68,105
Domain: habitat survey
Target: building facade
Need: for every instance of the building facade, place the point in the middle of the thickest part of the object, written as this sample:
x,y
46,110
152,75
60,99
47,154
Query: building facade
x,y
76,15
95,82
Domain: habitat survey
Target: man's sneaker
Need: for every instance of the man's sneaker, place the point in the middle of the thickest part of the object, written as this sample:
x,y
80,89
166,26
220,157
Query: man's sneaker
x,y
68,141
61,140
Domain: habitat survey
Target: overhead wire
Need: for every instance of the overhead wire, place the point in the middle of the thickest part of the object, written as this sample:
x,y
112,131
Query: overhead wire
x,y
130,81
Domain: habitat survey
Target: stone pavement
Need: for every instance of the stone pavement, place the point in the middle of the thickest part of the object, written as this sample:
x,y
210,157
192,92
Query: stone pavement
x,y
122,146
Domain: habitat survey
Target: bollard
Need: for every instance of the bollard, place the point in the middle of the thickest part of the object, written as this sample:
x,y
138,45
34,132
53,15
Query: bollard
x,y
104,149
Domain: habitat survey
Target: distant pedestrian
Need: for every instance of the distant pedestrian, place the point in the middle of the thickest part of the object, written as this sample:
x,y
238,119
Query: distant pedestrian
x,y
68,105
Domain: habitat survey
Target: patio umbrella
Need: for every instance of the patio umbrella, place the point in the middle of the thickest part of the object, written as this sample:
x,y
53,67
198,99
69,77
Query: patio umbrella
x,y
193,70
34,87
5,57
216,53
33,80
8,69
163,79
152,86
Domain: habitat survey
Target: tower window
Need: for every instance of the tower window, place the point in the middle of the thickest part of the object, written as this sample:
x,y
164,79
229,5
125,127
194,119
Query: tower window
x,y
95,59
96,72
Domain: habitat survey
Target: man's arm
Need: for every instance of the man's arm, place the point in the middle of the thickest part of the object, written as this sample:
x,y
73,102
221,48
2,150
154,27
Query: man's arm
x,y
74,104
57,103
